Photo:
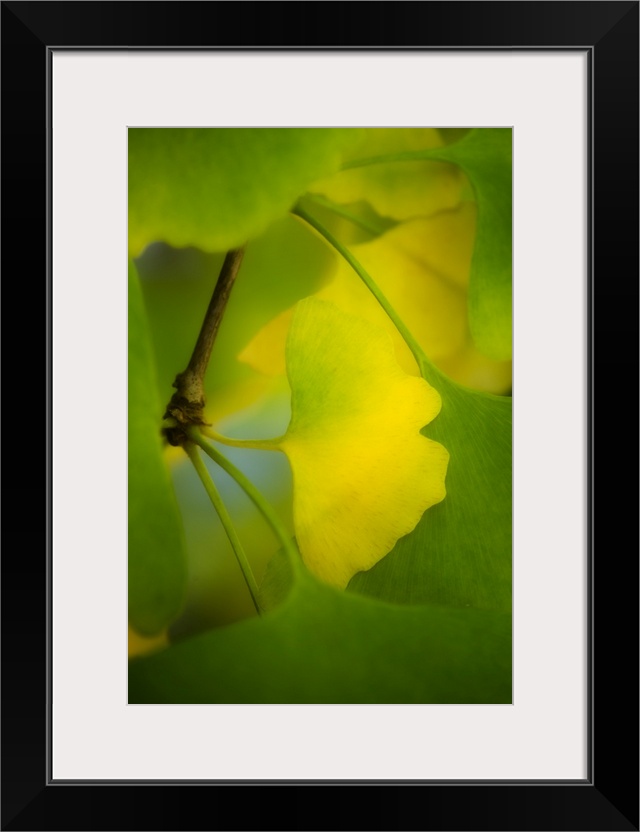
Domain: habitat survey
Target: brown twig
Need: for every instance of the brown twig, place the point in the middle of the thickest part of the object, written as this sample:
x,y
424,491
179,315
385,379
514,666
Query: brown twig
x,y
187,403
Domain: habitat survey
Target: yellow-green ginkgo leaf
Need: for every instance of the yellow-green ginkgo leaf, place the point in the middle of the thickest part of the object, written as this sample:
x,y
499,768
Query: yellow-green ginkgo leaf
x,y
422,266
363,474
415,188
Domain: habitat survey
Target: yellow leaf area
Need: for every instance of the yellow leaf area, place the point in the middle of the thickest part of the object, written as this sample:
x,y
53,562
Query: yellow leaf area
x,y
422,266
363,474
141,645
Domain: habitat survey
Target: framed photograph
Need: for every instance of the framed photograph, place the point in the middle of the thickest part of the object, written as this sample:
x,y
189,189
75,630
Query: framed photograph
x,y
411,603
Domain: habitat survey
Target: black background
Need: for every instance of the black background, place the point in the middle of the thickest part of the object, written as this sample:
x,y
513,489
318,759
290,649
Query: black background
x,y
609,799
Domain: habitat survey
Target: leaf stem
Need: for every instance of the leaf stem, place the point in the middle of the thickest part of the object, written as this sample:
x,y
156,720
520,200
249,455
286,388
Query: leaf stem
x,y
258,444
187,403
252,492
226,521
369,282
366,225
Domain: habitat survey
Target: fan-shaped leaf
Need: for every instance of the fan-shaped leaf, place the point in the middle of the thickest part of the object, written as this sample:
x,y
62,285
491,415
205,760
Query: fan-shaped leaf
x,y
324,646
363,474
216,188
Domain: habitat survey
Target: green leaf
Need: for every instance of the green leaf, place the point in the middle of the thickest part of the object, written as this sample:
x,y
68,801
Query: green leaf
x,y
157,565
325,646
216,188
484,155
461,551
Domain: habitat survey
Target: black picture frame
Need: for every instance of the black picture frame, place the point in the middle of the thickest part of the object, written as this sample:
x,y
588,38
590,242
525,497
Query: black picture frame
x,y
608,798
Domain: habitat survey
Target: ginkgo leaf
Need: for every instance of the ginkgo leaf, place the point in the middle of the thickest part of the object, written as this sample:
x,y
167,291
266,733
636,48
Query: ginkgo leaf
x,y
215,188
485,156
322,646
422,266
411,177
416,188
363,474
460,554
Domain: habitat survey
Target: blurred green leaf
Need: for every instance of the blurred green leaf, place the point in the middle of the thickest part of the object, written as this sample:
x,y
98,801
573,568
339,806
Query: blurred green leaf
x,y
461,551
216,188
324,646
484,154
157,564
